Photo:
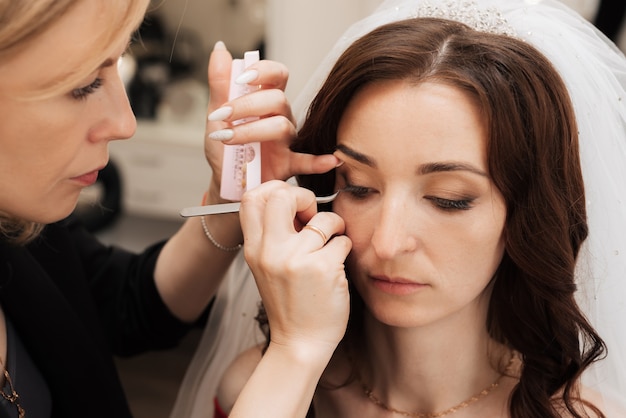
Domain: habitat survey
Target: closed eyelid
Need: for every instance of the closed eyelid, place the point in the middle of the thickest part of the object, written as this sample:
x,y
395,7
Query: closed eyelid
x,y
451,204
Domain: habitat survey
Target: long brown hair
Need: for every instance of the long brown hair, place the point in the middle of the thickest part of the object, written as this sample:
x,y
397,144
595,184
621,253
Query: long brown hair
x,y
533,160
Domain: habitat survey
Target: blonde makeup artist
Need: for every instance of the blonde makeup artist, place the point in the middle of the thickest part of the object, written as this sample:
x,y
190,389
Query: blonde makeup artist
x,y
68,302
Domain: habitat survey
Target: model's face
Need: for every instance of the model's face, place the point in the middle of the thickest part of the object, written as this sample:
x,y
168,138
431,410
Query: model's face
x,y
52,148
424,217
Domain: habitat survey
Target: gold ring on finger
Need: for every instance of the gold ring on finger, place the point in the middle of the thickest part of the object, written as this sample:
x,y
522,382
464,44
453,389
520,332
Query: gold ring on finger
x,y
318,231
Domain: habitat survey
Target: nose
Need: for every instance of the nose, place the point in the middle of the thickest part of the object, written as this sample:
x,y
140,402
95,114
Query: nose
x,y
117,120
395,230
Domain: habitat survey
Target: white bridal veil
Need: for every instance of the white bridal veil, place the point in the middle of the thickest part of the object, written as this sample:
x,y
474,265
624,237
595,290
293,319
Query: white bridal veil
x,y
594,71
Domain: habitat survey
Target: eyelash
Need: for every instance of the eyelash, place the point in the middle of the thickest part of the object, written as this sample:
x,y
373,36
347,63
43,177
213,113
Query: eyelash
x,y
450,204
83,92
361,192
357,192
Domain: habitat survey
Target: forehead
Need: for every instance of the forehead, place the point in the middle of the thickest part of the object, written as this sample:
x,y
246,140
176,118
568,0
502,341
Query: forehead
x,y
418,121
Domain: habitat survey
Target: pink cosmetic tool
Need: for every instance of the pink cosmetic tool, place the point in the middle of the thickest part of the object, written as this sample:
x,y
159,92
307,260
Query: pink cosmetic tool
x,y
241,168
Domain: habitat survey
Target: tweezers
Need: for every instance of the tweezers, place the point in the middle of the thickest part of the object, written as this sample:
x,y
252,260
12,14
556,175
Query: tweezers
x,y
233,207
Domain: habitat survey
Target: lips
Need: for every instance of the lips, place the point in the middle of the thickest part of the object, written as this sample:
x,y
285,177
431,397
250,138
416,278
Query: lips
x,y
87,179
396,286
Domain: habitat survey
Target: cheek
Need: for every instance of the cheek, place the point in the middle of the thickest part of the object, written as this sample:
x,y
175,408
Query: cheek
x,y
487,257
35,159
44,133
482,248
359,223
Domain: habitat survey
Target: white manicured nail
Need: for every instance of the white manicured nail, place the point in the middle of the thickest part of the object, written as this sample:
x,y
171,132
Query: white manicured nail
x,y
220,114
247,76
222,135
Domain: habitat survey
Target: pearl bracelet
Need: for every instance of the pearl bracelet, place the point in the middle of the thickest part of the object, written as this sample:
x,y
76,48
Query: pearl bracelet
x,y
210,236
214,242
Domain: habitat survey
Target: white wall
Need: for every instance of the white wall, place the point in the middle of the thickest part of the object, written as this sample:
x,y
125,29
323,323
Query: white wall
x,y
300,32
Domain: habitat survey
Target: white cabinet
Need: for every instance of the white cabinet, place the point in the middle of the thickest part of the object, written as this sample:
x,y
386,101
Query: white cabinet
x,y
163,168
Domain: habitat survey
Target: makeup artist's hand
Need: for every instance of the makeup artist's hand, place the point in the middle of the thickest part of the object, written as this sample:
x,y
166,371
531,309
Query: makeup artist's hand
x,y
299,272
275,129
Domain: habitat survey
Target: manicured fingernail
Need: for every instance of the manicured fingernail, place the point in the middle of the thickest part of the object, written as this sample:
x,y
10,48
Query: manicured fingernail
x,y
340,163
222,135
219,45
247,76
220,114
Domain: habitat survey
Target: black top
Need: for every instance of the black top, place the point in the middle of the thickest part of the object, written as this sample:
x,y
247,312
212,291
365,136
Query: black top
x,y
74,304
28,383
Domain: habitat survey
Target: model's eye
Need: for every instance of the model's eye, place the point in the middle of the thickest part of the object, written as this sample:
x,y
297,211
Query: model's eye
x,y
82,92
358,192
450,204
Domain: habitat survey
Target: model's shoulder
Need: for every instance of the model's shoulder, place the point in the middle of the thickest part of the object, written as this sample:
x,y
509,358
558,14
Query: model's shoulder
x,y
593,401
610,407
236,375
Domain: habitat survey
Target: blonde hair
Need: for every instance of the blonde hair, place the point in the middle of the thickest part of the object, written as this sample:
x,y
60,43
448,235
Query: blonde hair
x,y
24,22
18,231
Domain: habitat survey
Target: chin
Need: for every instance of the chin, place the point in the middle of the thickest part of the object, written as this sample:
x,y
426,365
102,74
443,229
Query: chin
x,y
57,213
55,218
395,314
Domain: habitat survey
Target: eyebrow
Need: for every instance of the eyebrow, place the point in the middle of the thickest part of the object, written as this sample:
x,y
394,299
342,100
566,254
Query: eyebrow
x,y
355,155
426,168
107,63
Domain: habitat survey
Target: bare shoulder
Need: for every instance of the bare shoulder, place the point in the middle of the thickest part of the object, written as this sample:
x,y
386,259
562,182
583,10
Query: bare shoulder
x,y
236,375
592,399
611,408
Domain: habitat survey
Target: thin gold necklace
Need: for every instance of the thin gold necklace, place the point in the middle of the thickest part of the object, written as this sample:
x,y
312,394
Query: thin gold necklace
x,y
474,398
13,397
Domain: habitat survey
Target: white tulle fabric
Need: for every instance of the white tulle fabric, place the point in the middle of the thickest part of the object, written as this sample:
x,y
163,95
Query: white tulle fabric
x,y
594,71
230,330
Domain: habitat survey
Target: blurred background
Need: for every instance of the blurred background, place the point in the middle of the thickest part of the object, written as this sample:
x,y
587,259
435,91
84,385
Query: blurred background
x,y
137,197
